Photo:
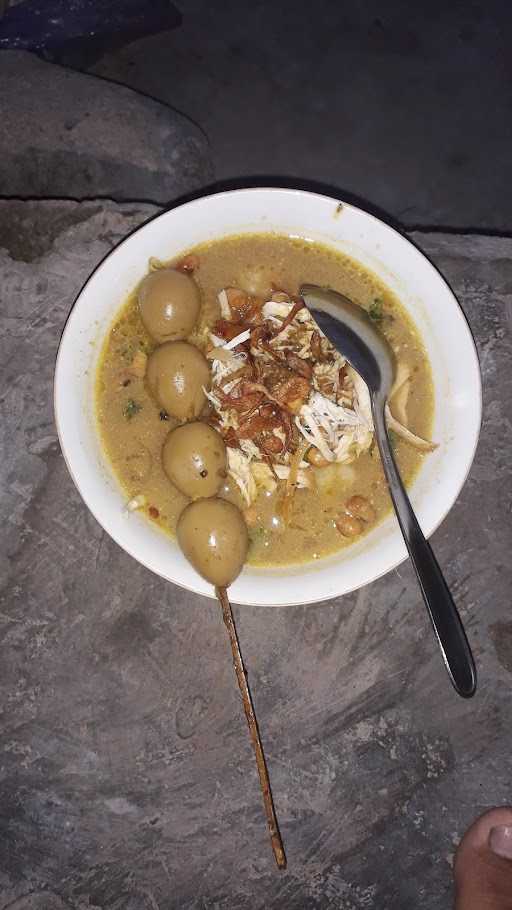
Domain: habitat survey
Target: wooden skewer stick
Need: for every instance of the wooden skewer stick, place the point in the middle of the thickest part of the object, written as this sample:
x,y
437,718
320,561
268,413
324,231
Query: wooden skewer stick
x,y
275,837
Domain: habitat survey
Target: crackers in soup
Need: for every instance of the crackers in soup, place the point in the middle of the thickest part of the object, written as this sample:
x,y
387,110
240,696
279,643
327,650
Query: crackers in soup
x,y
214,380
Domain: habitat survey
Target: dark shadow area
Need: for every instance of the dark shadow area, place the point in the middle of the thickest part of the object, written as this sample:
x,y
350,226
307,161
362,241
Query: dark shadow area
x,y
406,105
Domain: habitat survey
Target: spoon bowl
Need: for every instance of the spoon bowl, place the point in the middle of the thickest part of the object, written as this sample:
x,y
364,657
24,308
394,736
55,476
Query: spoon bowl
x,y
350,329
353,333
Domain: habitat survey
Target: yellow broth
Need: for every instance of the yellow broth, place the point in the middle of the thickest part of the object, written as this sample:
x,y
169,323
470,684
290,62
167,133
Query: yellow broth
x,y
132,429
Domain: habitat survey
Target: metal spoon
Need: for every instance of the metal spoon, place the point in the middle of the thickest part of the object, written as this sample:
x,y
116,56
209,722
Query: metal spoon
x,y
349,328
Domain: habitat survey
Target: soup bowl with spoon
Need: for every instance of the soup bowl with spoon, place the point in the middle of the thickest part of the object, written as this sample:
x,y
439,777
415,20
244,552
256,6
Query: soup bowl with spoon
x,y
420,289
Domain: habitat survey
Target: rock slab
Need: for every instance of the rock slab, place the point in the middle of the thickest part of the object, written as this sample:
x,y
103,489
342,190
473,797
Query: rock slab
x,y
72,135
127,780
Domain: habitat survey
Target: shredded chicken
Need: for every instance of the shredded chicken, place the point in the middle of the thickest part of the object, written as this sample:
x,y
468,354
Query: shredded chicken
x,y
279,388
400,392
422,444
239,466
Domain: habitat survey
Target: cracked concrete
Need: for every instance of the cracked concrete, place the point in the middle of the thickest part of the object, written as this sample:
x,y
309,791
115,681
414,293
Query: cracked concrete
x,y
127,780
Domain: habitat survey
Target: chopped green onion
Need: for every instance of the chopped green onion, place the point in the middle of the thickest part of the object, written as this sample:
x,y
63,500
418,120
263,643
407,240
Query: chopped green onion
x,y
375,310
131,408
393,439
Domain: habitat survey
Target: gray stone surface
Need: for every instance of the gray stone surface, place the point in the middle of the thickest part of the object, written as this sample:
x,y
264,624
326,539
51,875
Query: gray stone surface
x,y
127,780
73,135
404,104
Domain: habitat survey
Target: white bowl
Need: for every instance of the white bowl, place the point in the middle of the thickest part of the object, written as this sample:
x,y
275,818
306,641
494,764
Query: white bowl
x,y
420,288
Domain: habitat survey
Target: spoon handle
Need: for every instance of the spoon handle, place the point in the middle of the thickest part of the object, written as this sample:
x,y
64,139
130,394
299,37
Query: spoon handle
x,y
438,600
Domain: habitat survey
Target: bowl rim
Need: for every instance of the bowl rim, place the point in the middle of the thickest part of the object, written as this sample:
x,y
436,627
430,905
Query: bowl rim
x,y
90,502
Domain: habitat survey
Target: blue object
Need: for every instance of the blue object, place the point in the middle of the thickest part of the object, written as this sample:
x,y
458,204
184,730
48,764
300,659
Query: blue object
x,y
58,29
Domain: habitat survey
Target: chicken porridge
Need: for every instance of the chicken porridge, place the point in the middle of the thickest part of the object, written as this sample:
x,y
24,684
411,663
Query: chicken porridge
x,y
215,384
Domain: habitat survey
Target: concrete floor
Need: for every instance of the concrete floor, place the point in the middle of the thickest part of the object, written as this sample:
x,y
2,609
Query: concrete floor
x,y
407,106
127,780
126,776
